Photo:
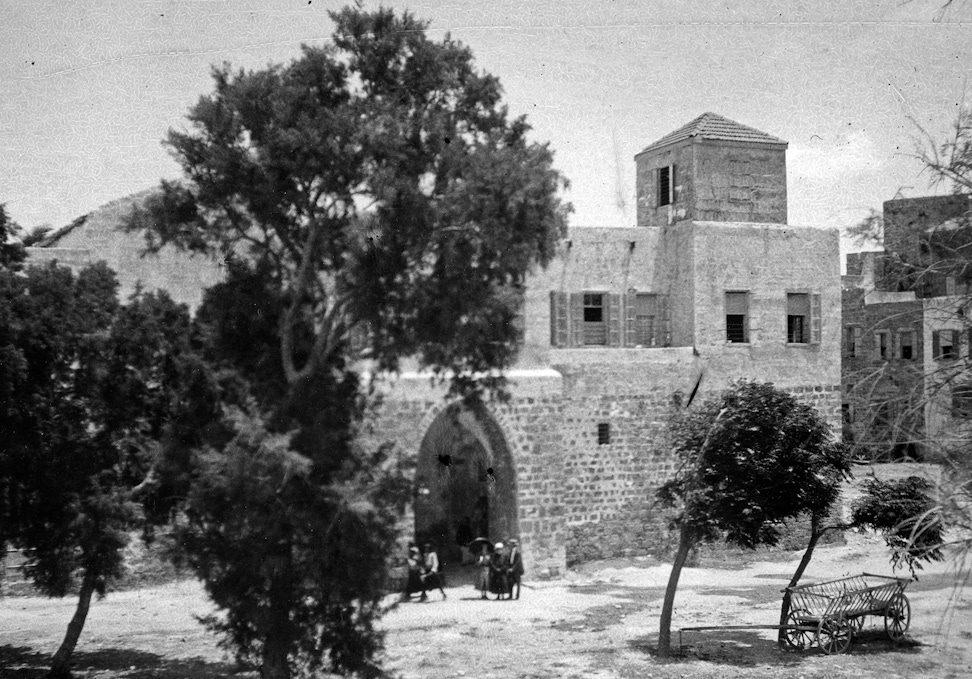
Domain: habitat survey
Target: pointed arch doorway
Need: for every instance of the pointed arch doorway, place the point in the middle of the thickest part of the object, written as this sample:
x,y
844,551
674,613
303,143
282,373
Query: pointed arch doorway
x,y
465,482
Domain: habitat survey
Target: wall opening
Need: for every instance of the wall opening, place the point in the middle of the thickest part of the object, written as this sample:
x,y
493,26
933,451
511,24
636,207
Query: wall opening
x,y
465,483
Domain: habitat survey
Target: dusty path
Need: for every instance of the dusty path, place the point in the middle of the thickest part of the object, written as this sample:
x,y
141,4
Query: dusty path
x,y
599,623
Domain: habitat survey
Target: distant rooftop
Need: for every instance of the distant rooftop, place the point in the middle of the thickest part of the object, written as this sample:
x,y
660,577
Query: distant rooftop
x,y
716,127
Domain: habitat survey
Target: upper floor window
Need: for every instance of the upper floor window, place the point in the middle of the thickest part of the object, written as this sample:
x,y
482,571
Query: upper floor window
x,y
595,327
646,317
945,344
798,318
737,317
881,352
666,185
962,401
906,345
594,319
852,341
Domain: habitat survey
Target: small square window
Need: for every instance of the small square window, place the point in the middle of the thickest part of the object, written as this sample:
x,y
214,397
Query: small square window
x,y
603,434
945,345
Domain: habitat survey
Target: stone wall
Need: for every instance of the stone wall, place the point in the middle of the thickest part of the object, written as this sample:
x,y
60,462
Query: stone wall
x,y
650,213
737,182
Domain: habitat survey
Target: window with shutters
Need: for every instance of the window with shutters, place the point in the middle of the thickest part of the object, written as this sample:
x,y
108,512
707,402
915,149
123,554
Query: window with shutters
x,y
595,319
737,317
962,401
646,319
945,345
797,318
852,341
906,345
881,352
666,185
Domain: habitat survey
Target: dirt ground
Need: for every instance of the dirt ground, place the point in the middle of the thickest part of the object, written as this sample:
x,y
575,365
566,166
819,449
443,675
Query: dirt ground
x,y
600,622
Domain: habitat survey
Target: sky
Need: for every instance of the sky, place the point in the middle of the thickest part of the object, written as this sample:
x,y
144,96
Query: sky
x,y
89,89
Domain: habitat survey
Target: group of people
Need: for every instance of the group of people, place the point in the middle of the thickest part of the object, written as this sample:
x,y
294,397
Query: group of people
x,y
500,572
424,572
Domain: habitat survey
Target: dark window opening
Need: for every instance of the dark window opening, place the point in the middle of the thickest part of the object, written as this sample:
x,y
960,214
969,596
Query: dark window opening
x,y
664,186
853,338
595,328
847,413
945,344
962,401
797,318
603,434
737,309
906,342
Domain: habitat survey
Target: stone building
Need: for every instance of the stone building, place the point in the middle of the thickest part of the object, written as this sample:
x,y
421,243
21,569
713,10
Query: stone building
x,y
710,286
906,345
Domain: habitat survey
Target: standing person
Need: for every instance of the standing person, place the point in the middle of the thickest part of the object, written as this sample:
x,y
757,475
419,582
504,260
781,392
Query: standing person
x,y
432,577
515,567
482,572
498,582
414,582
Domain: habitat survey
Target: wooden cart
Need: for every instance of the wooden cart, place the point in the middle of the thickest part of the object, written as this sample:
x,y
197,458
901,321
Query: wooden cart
x,y
830,613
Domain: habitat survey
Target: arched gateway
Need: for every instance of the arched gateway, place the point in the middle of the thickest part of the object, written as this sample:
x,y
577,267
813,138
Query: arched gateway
x,y
465,481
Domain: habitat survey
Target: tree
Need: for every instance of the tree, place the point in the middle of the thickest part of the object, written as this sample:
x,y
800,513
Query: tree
x,y
750,459
374,201
86,388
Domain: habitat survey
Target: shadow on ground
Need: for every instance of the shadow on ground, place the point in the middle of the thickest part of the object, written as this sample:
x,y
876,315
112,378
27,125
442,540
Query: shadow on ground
x,y
21,662
745,648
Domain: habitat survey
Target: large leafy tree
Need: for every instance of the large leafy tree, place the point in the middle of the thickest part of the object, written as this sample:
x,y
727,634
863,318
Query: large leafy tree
x,y
750,459
374,200
86,389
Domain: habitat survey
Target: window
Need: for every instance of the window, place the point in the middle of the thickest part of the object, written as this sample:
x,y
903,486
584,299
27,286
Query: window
x,y
962,401
906,344
603,434
797,318
847,413
595,329
945,344
852,339
737,317
881,345
646,321
666,185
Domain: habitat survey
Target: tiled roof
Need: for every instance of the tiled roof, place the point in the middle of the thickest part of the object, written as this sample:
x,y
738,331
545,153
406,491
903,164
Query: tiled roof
x,y
115,212
713,126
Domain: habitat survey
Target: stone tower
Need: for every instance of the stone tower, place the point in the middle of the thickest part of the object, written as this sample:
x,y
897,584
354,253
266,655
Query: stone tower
x,y
712,170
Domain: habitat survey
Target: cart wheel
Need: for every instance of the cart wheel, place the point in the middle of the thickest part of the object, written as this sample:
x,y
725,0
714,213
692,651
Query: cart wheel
x,y
833,636
897,616
796,638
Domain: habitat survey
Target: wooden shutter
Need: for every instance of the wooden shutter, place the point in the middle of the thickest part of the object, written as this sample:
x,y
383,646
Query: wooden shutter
x,y
629,303
956,347
671,183
666,320
814,319
858,336
576,323
558,319
613,310
936,345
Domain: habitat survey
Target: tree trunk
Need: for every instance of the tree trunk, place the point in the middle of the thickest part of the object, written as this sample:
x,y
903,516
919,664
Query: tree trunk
x,y
61,663
665,626
276,644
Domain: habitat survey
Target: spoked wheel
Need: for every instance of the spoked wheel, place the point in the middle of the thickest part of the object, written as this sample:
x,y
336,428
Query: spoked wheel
x,y
796,638
833,635
897,616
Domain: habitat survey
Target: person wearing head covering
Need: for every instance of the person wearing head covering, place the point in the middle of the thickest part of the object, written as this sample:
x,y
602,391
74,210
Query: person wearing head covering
x,y
414,582
515,561
432,576
482,570
498,582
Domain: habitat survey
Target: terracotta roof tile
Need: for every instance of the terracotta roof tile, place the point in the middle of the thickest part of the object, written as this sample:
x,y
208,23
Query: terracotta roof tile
x,y
713,126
